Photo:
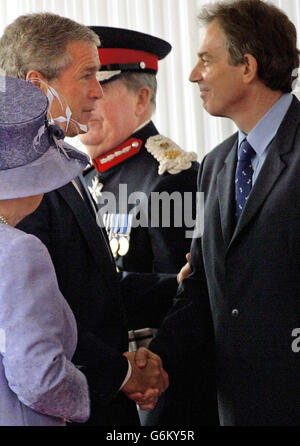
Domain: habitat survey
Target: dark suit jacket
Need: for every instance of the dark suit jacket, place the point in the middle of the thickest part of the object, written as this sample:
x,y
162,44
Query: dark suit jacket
x,y
252,275
99,297
88,280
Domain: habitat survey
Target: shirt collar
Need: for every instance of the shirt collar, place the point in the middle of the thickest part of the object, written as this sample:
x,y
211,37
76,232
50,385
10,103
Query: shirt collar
x,y
265,130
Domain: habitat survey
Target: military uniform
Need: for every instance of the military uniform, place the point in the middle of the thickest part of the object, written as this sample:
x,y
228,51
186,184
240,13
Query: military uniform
x,y
148,249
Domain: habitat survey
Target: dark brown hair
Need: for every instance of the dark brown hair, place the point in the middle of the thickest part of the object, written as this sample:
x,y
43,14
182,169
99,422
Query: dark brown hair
x,y
262,30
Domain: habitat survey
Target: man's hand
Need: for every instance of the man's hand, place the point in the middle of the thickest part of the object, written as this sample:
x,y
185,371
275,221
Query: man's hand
x,y
148,378
185,270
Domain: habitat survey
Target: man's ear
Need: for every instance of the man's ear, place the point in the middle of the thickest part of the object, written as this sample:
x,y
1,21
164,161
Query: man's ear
x,y
37,79
250,68
143,100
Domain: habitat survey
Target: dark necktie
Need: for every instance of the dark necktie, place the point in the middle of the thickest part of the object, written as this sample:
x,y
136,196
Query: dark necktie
x,y
243,177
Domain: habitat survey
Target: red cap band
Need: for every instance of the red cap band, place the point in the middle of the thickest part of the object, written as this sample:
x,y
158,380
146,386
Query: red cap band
x,y
120,56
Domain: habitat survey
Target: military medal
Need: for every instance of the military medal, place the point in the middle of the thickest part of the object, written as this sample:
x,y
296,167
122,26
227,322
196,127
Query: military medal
x,y
113,222
125,224
123,246
96,188
118,227
114,245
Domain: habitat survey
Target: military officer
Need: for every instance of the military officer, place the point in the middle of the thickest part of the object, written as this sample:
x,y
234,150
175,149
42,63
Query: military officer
x,y
136,171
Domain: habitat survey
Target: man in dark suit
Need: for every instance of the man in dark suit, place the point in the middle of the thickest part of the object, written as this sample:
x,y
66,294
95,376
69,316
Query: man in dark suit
x,y
66,224
245,282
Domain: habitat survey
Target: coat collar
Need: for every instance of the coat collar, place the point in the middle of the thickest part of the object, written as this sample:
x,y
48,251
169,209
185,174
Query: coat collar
x,y
126,150
225,184
272,168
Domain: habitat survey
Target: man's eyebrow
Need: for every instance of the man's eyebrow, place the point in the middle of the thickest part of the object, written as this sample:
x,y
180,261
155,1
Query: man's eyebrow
x,y
204,53
92,69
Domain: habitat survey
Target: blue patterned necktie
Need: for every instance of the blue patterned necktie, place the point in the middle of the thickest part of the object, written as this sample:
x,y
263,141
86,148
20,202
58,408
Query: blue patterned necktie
x,y
243,177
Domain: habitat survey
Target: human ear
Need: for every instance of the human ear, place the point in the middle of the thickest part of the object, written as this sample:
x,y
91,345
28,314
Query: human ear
x,y
38,79
250,68
143,100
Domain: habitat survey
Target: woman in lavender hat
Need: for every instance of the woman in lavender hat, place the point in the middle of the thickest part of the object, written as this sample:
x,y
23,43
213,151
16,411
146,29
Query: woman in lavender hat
x,y
38,383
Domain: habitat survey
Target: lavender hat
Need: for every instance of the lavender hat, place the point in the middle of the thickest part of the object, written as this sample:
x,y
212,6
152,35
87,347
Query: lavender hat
x,y
34,158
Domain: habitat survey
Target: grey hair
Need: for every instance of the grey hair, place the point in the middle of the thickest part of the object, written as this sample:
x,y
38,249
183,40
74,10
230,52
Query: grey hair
x,y
39,42
135,81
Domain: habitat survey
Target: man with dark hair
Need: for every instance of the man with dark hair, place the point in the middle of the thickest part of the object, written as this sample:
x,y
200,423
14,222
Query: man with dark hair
x,y
245,283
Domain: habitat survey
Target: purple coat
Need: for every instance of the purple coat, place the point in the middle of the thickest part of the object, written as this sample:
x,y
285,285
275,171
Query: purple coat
x,y
39,386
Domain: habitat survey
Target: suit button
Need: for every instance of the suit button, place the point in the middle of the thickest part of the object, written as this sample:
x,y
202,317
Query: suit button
x,y
235,312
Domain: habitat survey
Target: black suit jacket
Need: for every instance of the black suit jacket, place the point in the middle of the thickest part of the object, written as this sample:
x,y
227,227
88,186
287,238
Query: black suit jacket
x,y
88,280
245,286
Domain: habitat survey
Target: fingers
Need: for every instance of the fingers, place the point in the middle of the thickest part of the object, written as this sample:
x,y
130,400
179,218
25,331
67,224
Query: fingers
x,y
150,399
135,396
141,357
149,376
185,270
146,401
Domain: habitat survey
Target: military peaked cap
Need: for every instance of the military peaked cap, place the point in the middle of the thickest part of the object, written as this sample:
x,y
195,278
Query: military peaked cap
x,y
125,50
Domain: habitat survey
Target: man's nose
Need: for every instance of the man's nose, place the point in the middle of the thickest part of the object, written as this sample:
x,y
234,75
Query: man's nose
x,y
195,75
96,91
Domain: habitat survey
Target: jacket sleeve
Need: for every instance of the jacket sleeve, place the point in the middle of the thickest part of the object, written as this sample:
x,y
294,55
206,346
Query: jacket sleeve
x,y
187,328
147,297
185,342
37,322
55,225
173,222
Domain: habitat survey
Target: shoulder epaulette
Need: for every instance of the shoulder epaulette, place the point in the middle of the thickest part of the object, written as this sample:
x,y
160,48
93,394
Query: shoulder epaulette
x,y
170,156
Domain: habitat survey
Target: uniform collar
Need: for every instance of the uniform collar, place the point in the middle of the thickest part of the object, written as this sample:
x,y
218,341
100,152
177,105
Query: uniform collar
x,y
127,149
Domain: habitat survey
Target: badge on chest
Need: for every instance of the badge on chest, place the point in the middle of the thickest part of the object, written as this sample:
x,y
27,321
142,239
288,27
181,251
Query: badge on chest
x,y
118,228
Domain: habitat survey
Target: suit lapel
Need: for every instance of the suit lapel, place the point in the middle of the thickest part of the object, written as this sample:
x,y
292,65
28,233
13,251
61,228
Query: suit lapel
x,y
225,183
272,167
268,176
92,234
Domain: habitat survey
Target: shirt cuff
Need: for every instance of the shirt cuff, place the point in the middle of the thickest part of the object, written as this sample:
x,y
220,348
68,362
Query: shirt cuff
x,y
127,377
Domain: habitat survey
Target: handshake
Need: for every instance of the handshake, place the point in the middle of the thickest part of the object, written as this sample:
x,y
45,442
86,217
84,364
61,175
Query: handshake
x,y
148,379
